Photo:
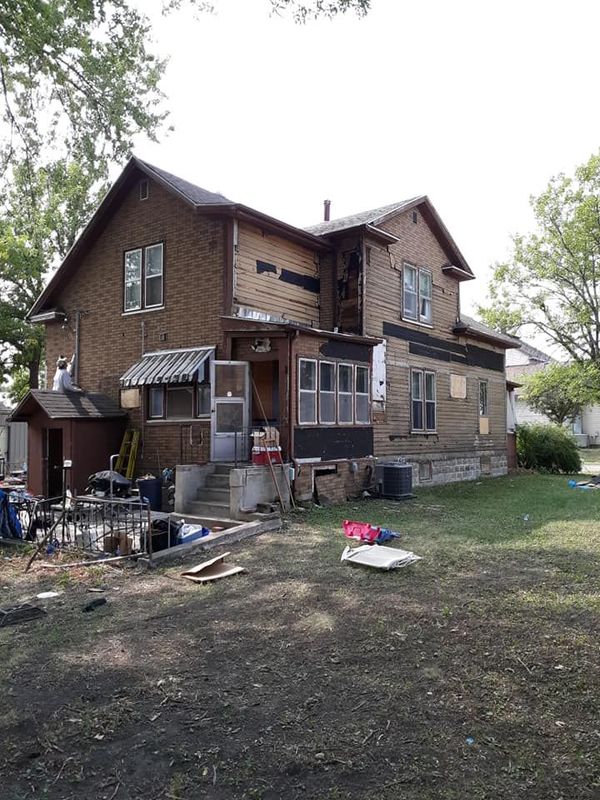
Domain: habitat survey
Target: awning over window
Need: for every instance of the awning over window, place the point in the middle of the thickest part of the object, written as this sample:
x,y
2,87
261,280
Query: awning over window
x,y
166,366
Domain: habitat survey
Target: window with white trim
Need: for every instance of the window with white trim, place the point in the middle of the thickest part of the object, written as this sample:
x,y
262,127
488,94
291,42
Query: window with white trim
x,y
423,401
362,405
327,384
417,294
182,400
307,391
333,393
345,394
143,276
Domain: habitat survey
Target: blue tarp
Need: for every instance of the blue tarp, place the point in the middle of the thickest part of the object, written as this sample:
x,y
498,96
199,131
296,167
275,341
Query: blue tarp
x,y
10,527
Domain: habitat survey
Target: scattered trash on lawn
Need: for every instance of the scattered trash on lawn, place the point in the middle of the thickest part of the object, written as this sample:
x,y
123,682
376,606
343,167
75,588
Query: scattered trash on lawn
x,y
379,557
470,740
22,613
591,483
189,533
100,601
47,595
365,532
211,570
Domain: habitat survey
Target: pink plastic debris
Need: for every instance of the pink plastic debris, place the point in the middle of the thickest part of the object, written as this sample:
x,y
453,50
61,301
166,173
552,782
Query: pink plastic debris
x,y
363,531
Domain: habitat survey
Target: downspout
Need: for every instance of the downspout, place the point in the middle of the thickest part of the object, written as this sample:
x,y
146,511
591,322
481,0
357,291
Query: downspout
x,y
291,338
76,369
143,395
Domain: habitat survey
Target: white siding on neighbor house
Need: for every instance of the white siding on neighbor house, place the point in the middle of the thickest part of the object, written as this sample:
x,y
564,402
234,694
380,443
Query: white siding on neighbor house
x,y
526,415
511,412
590,418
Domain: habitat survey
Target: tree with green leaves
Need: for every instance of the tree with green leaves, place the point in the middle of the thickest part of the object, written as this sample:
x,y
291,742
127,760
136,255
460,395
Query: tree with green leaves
x,y
552,280
42,218
560,391
78,81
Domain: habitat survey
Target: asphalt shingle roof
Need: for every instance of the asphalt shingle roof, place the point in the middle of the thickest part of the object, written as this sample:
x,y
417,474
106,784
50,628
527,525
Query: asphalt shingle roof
x,y
195,194
363,218
479,327
73,405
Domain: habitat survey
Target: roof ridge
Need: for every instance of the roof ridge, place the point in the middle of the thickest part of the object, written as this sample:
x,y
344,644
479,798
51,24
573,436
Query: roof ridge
x,y
362,217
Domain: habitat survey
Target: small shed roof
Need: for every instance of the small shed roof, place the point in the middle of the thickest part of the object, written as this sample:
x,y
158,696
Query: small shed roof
x,y
166,366
473,327
66,405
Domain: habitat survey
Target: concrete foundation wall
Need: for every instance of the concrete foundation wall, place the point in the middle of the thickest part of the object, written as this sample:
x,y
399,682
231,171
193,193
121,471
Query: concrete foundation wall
x,y
251,486
452,468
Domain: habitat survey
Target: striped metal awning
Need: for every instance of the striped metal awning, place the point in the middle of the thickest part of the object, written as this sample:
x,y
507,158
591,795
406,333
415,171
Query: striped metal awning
x,y
166,366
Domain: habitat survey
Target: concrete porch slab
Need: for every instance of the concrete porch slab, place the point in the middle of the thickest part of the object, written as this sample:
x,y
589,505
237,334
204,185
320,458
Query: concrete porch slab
x,y
219,539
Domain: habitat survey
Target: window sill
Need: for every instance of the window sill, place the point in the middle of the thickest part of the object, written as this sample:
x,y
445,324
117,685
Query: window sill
x,y
176,420
342,425
424,433
420,324
142,311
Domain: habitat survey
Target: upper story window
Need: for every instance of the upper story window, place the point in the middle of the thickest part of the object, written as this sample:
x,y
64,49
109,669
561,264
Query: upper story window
x,y
144,278
417,292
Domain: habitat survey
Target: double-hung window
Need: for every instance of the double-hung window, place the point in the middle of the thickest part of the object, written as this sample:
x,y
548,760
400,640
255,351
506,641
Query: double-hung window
x,y
307,401
333,393
417,294
423,401
327,384
345,394
362,406
144,278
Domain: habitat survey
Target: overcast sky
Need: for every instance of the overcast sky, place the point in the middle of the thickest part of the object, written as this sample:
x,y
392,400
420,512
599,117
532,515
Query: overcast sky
x,y
476,104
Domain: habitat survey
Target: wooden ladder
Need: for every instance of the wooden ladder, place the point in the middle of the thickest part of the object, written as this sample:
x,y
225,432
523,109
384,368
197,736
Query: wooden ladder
x,y
128,454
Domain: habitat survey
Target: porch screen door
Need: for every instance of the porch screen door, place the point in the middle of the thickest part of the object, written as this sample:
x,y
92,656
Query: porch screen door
x,y
230,412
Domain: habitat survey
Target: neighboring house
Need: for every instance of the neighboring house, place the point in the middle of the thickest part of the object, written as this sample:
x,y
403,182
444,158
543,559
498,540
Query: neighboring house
x,y
528,360
203,318
13,442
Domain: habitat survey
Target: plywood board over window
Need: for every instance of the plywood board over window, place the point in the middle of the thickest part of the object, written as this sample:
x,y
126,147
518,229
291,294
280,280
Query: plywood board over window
x,y
458,386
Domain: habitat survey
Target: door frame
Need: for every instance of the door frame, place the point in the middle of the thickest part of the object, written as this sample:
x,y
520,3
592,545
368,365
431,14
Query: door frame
x,y
240,441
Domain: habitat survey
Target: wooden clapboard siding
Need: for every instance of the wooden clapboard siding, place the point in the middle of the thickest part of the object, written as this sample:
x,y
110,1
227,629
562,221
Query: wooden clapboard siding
x,y
457,419
264,291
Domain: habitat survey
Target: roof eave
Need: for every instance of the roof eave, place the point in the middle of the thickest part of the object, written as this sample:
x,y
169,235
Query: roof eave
x,y
458,273
473,333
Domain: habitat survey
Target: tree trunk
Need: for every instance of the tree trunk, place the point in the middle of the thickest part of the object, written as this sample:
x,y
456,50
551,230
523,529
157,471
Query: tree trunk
x,y
34,373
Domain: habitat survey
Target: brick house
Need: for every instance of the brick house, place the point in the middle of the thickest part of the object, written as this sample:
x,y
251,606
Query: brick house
x,y
204,318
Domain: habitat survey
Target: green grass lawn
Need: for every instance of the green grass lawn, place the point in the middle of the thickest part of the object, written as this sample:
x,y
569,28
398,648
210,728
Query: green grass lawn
x,y
473,673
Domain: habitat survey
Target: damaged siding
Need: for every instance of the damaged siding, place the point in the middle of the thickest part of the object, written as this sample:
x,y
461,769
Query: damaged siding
x,y
276,276
428,347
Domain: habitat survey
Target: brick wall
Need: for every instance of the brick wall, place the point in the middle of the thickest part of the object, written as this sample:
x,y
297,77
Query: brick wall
x,y
110,341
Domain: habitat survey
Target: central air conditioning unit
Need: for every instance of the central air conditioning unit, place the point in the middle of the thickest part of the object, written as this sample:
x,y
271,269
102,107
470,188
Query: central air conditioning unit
x,y
394,480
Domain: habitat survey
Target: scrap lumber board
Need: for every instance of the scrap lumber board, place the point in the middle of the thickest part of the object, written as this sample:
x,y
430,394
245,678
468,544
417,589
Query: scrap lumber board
x,y
17,614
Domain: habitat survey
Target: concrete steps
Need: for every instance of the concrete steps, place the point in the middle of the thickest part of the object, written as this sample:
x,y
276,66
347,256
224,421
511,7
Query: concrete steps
x,y
210,508
218,481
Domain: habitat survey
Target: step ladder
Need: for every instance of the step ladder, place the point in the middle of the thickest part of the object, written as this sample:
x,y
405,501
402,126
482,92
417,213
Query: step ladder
x,y
128,454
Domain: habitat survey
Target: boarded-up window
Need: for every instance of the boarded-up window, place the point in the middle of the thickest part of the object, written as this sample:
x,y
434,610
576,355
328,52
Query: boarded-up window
x,y
458,386
379,377
130,398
